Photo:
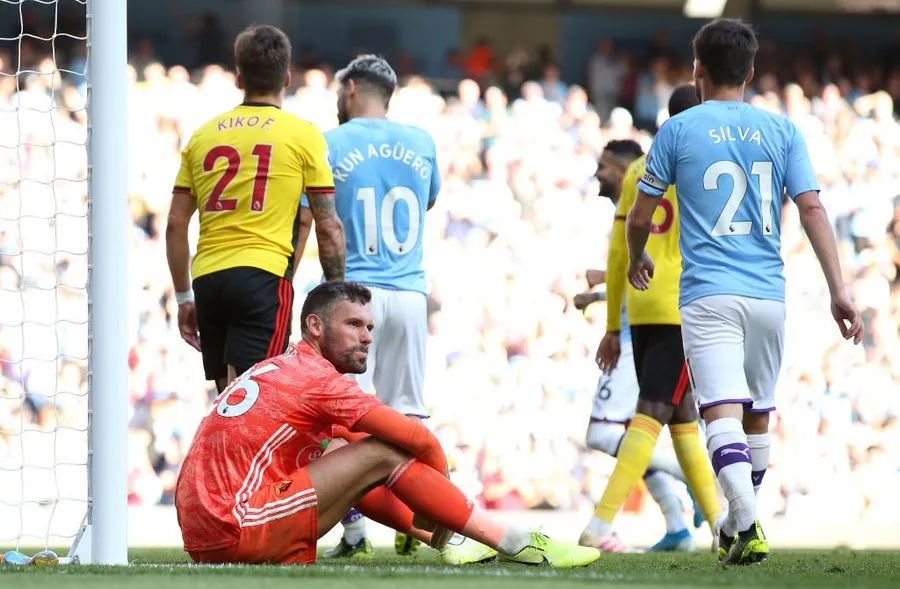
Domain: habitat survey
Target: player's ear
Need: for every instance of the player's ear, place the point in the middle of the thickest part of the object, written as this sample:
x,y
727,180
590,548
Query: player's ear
x,y
750,75
287,79
314,325
239,81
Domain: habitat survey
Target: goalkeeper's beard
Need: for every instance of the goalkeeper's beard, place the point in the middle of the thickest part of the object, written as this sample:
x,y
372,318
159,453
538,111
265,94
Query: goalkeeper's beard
x,y
346,360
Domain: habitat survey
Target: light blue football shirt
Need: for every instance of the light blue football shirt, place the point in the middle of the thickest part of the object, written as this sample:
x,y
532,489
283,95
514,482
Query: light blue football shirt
x,y
731,164
385,177
625,332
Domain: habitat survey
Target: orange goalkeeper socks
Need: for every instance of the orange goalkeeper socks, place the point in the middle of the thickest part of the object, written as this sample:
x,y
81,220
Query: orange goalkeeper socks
x,y
431,495
381,505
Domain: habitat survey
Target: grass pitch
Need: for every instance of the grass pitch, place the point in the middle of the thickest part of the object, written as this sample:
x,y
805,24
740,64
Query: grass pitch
x,y
169,569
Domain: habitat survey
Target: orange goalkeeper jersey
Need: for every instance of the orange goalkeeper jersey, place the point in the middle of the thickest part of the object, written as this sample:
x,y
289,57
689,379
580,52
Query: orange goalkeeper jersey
x,y
659,303
270,422
248,168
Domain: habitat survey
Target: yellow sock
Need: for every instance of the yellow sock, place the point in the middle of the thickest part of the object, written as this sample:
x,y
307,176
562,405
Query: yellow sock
x,y
694,462
634,456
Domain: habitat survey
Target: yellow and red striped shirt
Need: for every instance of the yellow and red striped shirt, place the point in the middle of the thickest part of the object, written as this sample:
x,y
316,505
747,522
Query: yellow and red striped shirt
x,y
248,168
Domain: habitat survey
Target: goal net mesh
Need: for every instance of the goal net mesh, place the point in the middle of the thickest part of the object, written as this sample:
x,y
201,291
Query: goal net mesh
x,y
44,272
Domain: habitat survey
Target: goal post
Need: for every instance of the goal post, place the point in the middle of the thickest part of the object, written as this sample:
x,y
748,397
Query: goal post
x,y
63,279
104,538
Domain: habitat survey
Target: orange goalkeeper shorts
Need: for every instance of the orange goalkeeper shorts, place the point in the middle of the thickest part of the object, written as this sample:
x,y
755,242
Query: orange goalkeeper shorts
x,y
280,526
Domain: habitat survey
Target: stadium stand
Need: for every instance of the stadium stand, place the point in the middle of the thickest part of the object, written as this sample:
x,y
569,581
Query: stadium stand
x,y
510,362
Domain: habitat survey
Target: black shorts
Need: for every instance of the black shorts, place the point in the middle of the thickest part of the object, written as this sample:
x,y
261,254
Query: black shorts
x,y
244,316
659,362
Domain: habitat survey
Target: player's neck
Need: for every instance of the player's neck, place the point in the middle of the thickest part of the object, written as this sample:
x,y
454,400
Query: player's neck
x,y
725,94
312,344
273,99
372,111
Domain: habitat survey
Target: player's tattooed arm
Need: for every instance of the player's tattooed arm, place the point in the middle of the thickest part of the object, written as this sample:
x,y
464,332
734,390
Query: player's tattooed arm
x,y
329,234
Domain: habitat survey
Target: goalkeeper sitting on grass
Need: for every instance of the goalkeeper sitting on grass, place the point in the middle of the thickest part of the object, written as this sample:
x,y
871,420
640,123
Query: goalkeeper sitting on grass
x,y
257,486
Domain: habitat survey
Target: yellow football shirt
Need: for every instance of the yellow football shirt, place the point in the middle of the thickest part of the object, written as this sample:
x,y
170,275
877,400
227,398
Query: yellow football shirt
x,y
248,168
657,305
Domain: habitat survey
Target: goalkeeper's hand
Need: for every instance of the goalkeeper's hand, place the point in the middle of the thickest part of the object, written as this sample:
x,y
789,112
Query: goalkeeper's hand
x,y
440,537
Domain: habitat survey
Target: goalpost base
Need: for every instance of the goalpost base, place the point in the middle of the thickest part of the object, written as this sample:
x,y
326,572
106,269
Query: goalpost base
x,y
80,551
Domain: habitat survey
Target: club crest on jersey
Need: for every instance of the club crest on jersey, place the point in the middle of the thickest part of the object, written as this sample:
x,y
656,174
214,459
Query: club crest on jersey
x,y
282,487
308,454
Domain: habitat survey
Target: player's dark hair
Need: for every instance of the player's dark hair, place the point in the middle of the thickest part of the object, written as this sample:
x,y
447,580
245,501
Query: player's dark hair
x,y
726,47
624,148
371,72
262,54
683,98
325,296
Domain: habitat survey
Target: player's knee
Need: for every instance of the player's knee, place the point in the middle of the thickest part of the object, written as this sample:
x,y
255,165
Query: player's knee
x,y
756,423
605,436
391,457
661,412
383,456
686,411
725,410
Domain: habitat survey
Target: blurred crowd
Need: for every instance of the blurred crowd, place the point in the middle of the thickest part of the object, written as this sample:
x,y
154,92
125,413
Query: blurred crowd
x,y
510,371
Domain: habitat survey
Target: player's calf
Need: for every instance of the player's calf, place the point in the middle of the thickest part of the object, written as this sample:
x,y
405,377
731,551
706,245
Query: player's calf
x,y
341,477
730,456
606,436
694,460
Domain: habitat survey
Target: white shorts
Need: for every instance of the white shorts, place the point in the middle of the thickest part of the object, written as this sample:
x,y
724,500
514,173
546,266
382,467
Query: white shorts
x,y
617,393
733,347
396,365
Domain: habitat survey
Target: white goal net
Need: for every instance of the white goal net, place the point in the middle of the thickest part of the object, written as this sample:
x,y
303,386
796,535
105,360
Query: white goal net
x,y
45,270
